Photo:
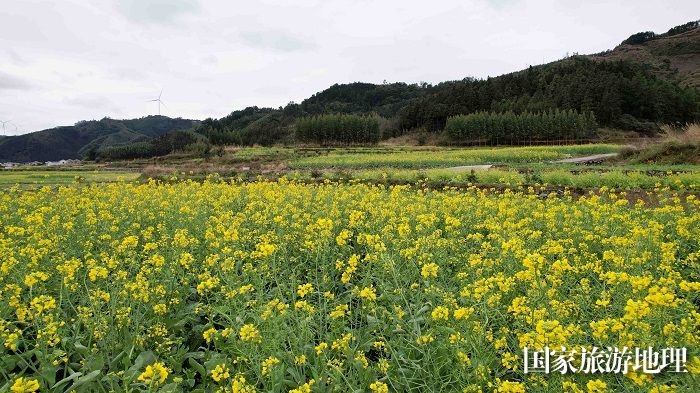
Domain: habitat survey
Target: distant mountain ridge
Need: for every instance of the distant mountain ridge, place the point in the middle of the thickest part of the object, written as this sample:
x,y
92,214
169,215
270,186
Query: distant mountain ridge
x,y
71,142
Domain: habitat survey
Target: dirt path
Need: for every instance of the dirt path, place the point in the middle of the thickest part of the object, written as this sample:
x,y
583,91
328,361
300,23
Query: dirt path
x,y
586,159
469,167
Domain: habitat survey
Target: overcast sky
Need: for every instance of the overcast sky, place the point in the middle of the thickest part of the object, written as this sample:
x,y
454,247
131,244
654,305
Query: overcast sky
x,y
64,61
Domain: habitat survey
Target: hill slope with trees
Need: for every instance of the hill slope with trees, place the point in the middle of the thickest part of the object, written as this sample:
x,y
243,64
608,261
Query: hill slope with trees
x,y
620,93
626,92
672,56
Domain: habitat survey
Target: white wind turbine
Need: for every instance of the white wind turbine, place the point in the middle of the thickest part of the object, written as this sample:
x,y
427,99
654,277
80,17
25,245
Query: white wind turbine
x,y
159,101
5,122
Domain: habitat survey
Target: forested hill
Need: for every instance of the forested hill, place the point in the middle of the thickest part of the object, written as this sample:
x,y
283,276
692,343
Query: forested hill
x,y
386,99
620,93
78,140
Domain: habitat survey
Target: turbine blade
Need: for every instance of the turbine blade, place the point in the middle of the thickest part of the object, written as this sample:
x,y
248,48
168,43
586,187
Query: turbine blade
x,y
161,93
162,103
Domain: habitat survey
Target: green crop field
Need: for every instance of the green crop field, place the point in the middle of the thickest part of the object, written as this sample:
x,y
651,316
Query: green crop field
x,y
450,157
59,177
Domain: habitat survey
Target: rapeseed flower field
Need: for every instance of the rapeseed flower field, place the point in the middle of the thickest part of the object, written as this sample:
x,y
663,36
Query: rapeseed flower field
x,y
289,287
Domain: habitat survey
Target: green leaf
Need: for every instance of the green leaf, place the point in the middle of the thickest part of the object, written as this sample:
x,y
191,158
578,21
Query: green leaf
x,y
116,359
422,310
67,379
416,320
171,387
48,373
82,349
215,360
145,358
295,374
197,366
196,355
87,378
8,362
95,363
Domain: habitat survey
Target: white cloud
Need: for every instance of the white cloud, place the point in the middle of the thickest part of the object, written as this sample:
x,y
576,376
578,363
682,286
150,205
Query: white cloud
x,y
72,60
276,40
11,82
157,11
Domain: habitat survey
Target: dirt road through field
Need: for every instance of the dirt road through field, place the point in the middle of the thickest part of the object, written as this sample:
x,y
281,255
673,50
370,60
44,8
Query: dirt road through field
x,y
469,167
586,159
574,160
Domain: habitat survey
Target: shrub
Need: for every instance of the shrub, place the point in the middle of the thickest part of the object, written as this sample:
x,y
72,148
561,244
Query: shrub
x,y
631,123
640,38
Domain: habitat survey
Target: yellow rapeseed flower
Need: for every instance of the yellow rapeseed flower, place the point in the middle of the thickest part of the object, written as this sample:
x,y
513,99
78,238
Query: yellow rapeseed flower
x,y
305,289
220,373
368,293
440,313
23,385
154,374
596,386
249,332
429,270
379,387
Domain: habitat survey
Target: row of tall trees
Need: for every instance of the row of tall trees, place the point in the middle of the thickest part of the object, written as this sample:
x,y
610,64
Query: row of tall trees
x,y
338,128
513,128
